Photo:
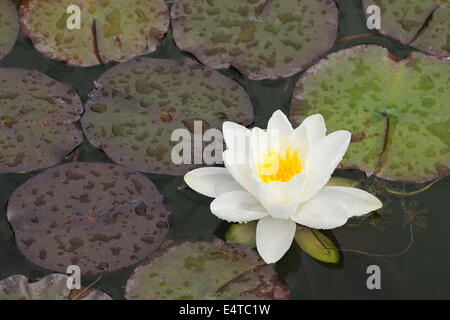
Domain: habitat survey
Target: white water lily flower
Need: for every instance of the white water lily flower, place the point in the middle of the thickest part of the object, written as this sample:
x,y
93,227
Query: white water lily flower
x,y
295,192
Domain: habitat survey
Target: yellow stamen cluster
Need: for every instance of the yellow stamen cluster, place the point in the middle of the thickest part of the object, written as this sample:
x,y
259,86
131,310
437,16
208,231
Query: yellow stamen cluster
x,y
282,171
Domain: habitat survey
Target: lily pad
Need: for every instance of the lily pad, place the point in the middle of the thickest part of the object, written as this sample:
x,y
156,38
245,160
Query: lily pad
x,y
137,105
317,245
101,217
205,270
51,287
342,182
261,38
37,116
397,111
9,27
110,30
242,233
423,24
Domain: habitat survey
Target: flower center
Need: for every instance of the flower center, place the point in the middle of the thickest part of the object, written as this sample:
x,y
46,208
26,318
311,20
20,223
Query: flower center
x,y
275,168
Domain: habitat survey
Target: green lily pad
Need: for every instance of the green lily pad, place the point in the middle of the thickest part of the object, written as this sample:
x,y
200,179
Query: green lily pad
x,y
205,270
317,245
51,287
37,116
9,27
397,111
98,216
109,30
242,233
342,182
423,24
260,38
137,105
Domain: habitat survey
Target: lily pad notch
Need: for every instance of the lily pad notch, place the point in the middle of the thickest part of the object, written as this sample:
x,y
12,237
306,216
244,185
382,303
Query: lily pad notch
x,y
397,111
37,120
423,24
110,31
262,39
101,217
209,269
51,287
138,105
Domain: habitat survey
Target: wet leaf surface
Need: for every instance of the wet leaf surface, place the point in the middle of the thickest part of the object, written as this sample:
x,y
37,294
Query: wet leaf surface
x,y
342,182
101,217
261,38
397,111
9,27
423,24
51,287
242,233
110,30
409,276
37,116
205,270
317,245
137,105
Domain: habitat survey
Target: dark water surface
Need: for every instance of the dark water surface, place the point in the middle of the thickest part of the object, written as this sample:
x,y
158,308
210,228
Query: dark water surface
x,y
422,272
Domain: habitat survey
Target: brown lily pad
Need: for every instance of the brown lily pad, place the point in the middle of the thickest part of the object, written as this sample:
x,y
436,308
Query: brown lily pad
x,y
137,105
205,270
37,116
9,27
101,217
51,287
423,24
260,38
110,30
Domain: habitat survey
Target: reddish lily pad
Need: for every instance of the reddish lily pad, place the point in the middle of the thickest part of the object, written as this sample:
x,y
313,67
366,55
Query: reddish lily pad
x,y
397,111
9,27
205,270
261,38
37,116
51,287
423,24
101,217
110,30
137,105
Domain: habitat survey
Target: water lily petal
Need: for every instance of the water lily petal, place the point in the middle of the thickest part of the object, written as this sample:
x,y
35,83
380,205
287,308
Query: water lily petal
x,y
233,132
300,142
211,181
307,134
268,194
292,190
259,145
228,186
237,206
323,160
282,211
205,180
274,237
279,124
315,126
332,206
240,171
359,202
280,199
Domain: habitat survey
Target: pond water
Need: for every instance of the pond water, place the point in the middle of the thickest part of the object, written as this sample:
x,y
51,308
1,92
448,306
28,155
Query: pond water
x,y
422,271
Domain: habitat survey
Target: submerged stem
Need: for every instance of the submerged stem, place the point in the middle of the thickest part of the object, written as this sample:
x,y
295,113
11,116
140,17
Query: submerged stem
x,y
366,253
412,193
